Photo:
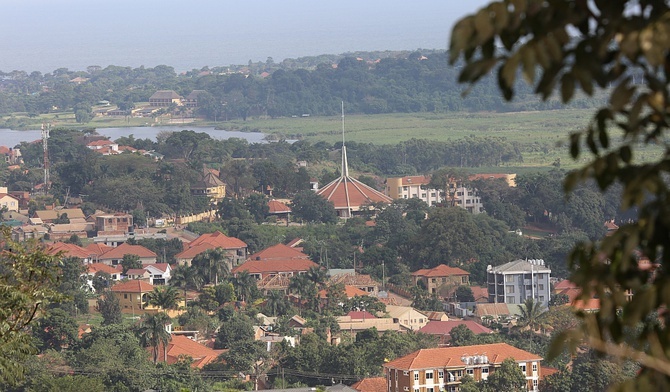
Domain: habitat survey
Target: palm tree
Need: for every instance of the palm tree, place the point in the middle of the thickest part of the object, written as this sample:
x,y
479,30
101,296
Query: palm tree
x,y
305,288
186,277
152,333
213,263
276,303
532,315
243,283
165,298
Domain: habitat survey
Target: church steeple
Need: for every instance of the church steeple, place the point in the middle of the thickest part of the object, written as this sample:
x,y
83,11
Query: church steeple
x,y
345,164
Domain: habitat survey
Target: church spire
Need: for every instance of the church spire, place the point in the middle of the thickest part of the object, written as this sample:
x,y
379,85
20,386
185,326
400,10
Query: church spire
x,y
345,164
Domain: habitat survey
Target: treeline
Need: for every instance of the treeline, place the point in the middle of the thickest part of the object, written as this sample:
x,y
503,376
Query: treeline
x,y
419,82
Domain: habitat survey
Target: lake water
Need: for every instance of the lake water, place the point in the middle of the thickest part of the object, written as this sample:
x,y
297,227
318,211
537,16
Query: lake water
x,y
11,138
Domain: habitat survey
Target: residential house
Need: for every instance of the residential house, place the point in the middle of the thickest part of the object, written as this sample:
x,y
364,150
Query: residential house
x,y
274,266
236,249
442,329
181,346
94,268
165,98
75,215
441,277
209,185
69,250
481,294
436,316
441,369
22,196
360,281
408,317
496,312
161,273
104,147
115,255
518,280
371,384
11,156
279,209
8,201
355,323
26,232
63,231
132,295
138,274
95,250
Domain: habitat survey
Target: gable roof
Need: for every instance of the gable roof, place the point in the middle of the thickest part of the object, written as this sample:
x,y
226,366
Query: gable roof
x,y
451,356
162,267
100,267
358,315
133,286
372,384
218,240
137,272
127,249
275,265
439,271
480,293
395,311
445,327
72,213
192,252
97,248
69,250
208,180
277,207
165,94
279,251
496,309
415,180
520,265
181,345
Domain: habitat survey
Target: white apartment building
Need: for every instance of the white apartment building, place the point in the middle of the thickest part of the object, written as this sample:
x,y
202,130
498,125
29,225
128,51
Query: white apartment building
x,y
417,187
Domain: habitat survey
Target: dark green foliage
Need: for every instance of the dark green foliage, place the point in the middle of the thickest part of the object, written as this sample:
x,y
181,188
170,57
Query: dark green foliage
x,y
464,294
56,330
310,207
236,329
110,309
508,377
130,262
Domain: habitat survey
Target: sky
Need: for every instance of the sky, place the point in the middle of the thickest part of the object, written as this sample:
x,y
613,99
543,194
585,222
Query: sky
x,y
43,35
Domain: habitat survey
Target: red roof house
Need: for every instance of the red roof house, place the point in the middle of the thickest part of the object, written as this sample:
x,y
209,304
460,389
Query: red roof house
x,y
443,329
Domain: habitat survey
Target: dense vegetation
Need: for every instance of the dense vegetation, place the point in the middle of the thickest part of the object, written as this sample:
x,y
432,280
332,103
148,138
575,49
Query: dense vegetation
x,y
409,82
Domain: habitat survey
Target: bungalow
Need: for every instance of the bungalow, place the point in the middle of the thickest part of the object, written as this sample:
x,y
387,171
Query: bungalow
x,y
280,210
442,329
93,268
181,346
408,317
69,250
371,384
115,255
165,98
156,274
7,201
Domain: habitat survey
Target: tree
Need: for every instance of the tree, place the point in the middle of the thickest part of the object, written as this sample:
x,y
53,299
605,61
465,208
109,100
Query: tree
x,y
621,46
238,328
28,281
508,377
165,297
130,262
464,294
56,330
212,263
276,303
152,333
110,309
531,315
257,205
310,207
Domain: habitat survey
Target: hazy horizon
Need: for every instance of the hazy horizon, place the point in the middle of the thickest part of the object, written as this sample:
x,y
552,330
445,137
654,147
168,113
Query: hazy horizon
x,y
44,35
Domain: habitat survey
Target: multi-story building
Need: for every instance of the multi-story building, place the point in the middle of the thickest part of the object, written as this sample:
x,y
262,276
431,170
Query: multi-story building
x,y
441,369
409,187
441,276
114,223
518,280
164,98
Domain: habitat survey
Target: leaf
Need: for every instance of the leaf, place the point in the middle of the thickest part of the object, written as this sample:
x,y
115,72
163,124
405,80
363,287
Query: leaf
x,y
501,16
574,145
508,70
483,26
625,154
528,63
567,87
621,95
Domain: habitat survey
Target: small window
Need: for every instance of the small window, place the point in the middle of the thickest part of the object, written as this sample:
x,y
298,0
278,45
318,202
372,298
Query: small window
x,y
429,389
125,296
429,375
405,373
511,300
459,373
523,368
440,374
470,371
416,376
509,278
534,367
540,287
534,383
485,370
509,289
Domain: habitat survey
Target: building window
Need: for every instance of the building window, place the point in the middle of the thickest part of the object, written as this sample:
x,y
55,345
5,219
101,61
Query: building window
x,y
423,195
541,298
510,300
416,376
432,194
540,287
429,389
429,374
464,279
485,370
509,278
523,368
440,374
534,383
125,296
459,373
509,289
534,367
470,371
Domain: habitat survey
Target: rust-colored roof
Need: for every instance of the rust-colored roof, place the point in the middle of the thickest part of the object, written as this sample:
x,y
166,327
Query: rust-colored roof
x,y
192,252
218,240
353,280
99,267
69,250
564,284
439,271
415,180
360,195
133,286
279,251
358,315
102,142
548,371
450,357
275,265
277,207
372,384
590,305
97,249
181,345
352,291
480,293
127,249
445,327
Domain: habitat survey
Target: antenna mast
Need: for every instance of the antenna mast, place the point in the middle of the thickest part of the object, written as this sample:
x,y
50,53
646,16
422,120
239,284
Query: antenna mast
x,y
45,136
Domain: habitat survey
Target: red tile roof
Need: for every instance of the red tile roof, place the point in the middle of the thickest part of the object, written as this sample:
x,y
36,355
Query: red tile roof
x,y
449,357
359,194
359,315
181,345
564,284
98,249
99,267
415,180
274,265
101,143
159,266
279,251
133,286
127,249
191,252
439,271
445,327
352,291
69,250
480,293
277,207
219,240
373,384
